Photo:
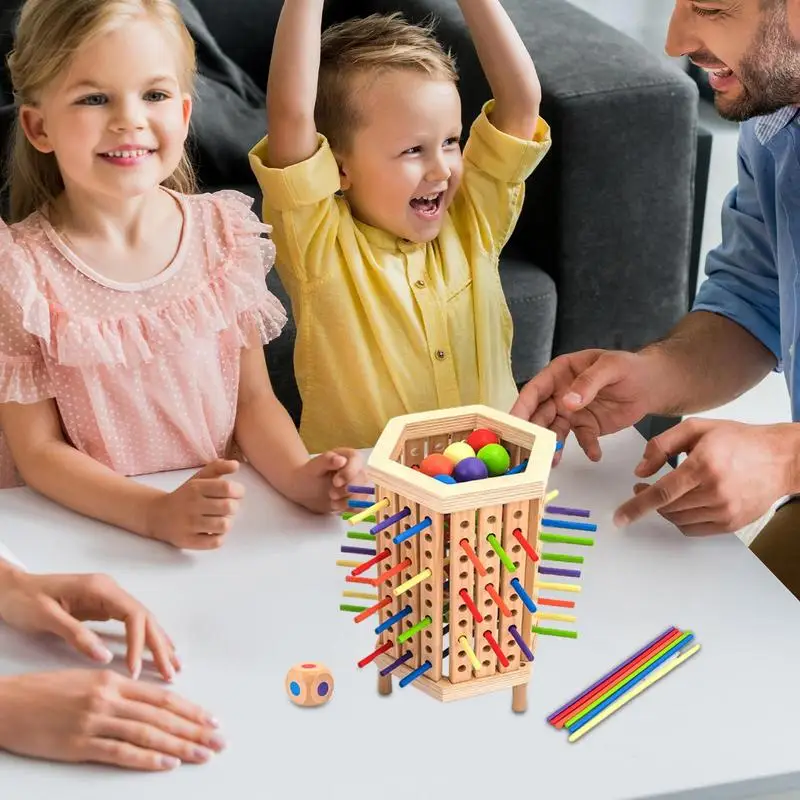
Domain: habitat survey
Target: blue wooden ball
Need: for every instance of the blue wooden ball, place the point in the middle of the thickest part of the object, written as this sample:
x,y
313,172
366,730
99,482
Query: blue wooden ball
x,y
445,478
470,469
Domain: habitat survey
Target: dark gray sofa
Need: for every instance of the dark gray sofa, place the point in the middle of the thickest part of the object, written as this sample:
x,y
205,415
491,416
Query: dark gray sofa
x,y
603,251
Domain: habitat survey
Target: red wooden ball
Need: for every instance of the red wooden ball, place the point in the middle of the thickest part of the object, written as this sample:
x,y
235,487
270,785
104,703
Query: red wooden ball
x,y
481,437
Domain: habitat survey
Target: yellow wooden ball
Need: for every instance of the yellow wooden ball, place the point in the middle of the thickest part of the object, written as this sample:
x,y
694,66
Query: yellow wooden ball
x,y
458,451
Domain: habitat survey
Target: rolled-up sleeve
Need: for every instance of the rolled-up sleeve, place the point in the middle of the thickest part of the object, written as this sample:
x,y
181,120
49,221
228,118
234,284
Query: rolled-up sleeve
x,y
742,282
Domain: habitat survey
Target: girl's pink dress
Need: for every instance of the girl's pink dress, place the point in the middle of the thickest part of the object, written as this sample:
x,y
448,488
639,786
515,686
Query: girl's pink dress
x,y
145,375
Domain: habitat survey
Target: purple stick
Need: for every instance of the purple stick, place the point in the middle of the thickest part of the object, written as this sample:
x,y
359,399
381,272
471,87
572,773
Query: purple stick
x,y
512,629
361,551
360,490
389,521
395,664
568,512
566,573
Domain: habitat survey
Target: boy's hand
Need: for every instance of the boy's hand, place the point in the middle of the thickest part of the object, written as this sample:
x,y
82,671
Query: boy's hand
x,y
321,483
58,604
199,514
98,716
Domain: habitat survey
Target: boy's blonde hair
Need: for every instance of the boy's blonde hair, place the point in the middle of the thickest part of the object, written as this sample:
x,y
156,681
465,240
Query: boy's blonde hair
x,y
48,34
370,45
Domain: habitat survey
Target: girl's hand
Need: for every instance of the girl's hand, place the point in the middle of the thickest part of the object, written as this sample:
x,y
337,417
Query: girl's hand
x,y
59,603
99,716
321,483
199,514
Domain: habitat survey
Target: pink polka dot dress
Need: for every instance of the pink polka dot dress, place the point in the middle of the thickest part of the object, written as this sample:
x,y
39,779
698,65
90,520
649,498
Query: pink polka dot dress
x,y
145,375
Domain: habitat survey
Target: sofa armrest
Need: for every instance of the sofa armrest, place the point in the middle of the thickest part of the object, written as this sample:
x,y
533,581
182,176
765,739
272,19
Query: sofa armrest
x,y
608,214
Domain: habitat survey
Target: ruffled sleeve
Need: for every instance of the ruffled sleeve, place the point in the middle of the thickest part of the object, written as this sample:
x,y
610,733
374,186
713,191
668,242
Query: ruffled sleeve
x,y
23,374
241,282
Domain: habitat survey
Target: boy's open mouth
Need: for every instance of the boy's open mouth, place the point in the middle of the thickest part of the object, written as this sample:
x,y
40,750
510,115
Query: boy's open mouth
x,y
427,205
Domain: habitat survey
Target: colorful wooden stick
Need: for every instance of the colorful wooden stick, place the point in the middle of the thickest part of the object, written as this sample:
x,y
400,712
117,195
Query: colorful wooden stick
x,y
570,526
413,531
554,632
412,676
501,554
473,659
387,623
361,489
471,555
389,521
373,610
363,567
585,694
661,672
568,512
550,601
512,629
473,609
395,664
374,654
555,538
409,584
359,551
564,573
501,656
367,512
526,545
524,596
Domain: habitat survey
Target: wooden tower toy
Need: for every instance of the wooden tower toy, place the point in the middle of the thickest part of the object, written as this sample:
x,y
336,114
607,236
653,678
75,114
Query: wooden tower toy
x,y
457,563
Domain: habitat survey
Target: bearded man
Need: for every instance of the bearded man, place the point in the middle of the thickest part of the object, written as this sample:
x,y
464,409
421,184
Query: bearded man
x,y
743,324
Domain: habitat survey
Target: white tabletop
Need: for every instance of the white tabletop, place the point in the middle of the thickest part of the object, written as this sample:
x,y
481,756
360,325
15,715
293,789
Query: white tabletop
x,y
722,725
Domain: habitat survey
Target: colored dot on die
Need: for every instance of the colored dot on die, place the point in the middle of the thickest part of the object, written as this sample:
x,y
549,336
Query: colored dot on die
x,y
309,684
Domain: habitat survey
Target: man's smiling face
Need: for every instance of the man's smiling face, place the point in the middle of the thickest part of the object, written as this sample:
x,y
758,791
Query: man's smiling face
x,y
749,48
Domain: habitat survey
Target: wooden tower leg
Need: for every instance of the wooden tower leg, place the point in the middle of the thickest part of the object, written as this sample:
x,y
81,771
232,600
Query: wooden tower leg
x,y
519,698
384,684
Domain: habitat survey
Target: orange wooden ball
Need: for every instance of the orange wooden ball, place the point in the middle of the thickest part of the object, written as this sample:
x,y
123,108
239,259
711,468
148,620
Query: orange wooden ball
x,y
436,464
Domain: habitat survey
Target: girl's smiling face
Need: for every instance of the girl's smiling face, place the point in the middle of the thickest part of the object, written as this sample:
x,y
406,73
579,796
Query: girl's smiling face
x,y
118,118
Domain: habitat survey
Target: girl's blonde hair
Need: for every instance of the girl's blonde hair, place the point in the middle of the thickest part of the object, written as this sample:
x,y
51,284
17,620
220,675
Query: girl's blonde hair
x,y
48,34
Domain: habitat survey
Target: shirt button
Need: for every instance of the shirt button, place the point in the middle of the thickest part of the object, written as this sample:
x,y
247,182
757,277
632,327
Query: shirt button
x,y
441,355
419,284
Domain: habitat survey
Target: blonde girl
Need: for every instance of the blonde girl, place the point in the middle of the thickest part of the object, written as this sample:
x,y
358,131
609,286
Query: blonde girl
x,y
133,311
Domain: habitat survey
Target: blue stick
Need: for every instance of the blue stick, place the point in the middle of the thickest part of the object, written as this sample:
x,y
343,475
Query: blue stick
x,y
523,595
420,526
359,503
680,645
391,621
519,468
567,525
412,676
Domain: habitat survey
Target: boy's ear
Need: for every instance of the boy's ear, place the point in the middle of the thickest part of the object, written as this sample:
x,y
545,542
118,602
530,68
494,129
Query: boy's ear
x,y
344,178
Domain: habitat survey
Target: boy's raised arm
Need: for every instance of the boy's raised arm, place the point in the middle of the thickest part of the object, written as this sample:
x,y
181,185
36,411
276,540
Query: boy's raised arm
x,y
507,65
292,84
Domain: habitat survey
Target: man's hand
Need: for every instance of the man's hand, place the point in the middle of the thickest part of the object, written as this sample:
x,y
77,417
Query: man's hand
x,y
591,393
732,475
98,716
58,604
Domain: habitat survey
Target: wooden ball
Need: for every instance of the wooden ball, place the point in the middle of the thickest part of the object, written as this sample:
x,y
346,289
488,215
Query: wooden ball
x,y
458,451
309,684
481,437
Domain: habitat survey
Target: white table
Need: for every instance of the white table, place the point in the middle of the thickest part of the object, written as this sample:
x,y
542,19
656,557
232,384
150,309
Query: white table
x,y
722,725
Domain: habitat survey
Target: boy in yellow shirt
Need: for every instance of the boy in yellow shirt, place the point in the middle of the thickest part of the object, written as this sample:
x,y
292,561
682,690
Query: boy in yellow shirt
x,y
388,238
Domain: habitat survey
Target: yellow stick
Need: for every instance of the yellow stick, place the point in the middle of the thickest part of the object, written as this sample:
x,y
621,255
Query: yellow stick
x,y
404,587
462,640
361,595
559,587
637,690
557,617
548,498
342,562
368,512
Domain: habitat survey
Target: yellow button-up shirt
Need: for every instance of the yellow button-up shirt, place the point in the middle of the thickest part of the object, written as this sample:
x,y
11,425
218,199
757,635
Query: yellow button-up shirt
x,y
386,326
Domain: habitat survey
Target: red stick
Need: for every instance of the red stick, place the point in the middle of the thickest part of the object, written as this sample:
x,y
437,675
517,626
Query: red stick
x,y
548,601
472,556
618,676
368,612
526,545
371,563
390,573
492,592
372,656
368,581
496,647
464,595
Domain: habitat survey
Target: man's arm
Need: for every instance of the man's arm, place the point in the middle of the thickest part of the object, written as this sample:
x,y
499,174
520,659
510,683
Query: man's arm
x,y
731,340
292,84
707,360
507,65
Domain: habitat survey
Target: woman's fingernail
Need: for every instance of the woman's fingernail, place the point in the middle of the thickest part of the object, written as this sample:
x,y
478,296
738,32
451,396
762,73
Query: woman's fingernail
x,y
212,721
136,671
217,742
168,762
201,753
102,654
573,398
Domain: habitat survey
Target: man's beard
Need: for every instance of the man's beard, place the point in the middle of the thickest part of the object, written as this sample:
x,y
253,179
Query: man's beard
x,y
769,73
